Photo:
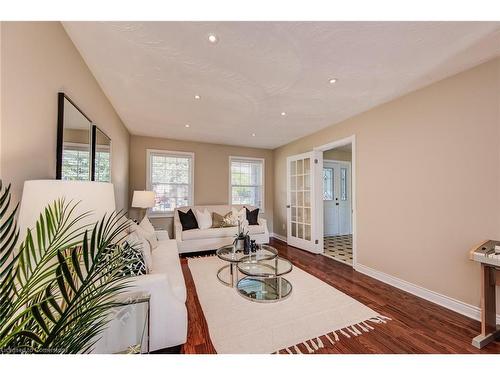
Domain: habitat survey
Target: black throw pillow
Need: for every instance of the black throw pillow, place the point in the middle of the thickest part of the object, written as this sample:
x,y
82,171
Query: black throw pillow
x,y
252,216
188,220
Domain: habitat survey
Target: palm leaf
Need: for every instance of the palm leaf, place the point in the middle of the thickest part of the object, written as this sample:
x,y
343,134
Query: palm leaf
x,y
57,290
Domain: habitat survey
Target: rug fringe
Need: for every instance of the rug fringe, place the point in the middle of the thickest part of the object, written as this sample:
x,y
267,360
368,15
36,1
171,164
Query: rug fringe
x,y
314,344
201,256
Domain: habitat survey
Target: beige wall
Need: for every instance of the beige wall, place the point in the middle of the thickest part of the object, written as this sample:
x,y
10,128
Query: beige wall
x,y
337,155
428,180
211,171
38,60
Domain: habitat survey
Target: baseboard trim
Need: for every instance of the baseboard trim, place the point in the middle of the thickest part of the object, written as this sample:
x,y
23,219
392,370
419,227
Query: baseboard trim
x,y
278,236
453,304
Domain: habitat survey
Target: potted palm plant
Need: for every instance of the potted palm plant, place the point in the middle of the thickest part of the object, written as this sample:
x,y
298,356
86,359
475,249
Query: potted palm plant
x,y
58,285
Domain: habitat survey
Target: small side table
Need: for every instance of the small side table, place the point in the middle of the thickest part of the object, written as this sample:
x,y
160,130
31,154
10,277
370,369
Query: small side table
x,y
129,327
490,278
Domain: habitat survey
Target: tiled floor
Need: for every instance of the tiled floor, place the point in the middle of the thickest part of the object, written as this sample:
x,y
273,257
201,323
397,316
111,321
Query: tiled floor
x,y
339,248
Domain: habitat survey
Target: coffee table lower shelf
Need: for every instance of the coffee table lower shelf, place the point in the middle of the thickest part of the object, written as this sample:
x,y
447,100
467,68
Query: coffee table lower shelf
x,y
264,289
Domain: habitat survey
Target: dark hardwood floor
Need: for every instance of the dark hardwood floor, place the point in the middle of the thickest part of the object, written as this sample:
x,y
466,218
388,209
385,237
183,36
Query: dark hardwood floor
x,y
417,326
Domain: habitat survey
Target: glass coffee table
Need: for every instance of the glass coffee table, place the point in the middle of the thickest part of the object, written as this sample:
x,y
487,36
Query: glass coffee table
x,y
228,274
264,281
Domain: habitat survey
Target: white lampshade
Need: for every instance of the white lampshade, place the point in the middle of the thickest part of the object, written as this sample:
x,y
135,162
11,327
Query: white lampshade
x,y
143,199
97,198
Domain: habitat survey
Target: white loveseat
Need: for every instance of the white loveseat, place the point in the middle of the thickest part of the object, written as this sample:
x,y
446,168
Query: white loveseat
x,y
209,239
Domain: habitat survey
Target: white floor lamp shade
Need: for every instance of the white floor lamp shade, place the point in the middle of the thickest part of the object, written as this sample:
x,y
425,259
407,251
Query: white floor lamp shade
x,y
96,197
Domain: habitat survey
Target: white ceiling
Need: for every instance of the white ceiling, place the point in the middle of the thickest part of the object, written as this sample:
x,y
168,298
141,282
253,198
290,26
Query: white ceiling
x,y
151,71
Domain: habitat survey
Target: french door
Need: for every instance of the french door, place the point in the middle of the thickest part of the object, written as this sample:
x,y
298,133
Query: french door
x,y
304,220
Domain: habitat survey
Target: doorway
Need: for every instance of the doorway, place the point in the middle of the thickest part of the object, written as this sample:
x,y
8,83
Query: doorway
x,y
338,197
305,204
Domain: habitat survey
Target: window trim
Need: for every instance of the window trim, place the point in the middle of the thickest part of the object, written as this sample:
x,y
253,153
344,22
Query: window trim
x,y
230,186
148,177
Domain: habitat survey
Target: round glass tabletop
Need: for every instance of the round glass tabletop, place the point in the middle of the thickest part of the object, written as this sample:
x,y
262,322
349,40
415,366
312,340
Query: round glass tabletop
x,y
230,254
264,268
264,290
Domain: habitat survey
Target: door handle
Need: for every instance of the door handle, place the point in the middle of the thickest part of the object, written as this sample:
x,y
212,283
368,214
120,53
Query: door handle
x,y
287,206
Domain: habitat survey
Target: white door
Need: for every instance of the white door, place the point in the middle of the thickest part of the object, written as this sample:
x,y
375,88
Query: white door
x,y
337,202
330,210
304,172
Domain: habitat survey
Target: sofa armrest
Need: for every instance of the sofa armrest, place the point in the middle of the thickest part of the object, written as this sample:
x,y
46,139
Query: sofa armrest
x,y
177,227
162,235
168,314
262,222
145,282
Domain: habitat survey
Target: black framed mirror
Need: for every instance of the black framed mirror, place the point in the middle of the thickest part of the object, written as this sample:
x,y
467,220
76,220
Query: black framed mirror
x,y
101,156
74,141
83,150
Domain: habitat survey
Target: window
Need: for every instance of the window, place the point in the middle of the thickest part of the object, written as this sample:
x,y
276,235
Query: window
x,y
343,184
247,181
328,184
102,164
170,176
76,162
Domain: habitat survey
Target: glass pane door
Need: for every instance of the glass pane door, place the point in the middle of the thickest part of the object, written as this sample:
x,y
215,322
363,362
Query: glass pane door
x,y
301,169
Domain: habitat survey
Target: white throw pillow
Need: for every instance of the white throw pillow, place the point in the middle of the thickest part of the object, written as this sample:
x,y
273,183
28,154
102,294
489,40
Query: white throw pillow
x,y
240,215
148,231
132,226
204,219
146,225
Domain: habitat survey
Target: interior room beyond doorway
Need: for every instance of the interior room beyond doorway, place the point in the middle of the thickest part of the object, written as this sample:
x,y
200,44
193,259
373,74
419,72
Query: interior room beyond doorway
x,y
337,204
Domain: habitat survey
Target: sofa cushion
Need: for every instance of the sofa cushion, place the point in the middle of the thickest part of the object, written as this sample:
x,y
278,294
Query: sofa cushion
x,y
197,234
204,219
188,220
221,221
166,261
239,214
138,241
149,232
136,265
252,216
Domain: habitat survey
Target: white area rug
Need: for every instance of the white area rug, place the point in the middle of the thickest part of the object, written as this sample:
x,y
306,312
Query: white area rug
x,y
314,312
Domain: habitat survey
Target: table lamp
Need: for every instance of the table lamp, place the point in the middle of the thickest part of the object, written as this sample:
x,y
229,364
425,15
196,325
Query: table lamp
x,y
143,199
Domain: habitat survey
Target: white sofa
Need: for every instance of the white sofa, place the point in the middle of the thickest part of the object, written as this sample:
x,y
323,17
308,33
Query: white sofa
x,y
209,239
166,285
168,313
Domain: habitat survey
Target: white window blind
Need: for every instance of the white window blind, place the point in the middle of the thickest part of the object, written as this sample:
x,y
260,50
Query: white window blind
x,y
171,178
102,164
76,162
247,181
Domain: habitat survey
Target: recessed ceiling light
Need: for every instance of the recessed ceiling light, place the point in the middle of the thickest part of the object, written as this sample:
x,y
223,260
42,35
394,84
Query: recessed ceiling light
x,y
332,80
212,38
253,134
197,97
283,113
187,125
